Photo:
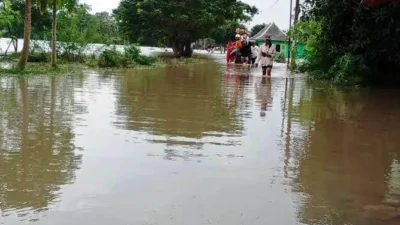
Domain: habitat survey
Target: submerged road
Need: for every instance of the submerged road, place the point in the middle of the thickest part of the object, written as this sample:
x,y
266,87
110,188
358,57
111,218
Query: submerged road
x,y
196,144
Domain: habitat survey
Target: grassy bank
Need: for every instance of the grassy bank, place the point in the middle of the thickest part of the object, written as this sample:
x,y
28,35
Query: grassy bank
x,y
41,69
8,67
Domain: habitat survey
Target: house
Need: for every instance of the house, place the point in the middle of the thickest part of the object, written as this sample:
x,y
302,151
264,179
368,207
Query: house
x,y
278,38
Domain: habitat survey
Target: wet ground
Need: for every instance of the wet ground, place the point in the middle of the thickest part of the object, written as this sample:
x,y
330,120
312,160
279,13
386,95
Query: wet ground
x,y
194,145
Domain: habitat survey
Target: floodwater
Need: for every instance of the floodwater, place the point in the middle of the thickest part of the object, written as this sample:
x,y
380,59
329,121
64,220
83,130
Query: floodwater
x,y
194,145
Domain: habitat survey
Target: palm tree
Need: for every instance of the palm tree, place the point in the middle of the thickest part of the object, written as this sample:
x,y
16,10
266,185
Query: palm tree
x,y
27,36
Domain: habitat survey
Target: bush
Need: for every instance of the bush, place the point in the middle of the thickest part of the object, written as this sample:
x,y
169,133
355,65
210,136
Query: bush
x,y
71,52
132,53
145,60
37,54
280,57
40,57
112,58
348,43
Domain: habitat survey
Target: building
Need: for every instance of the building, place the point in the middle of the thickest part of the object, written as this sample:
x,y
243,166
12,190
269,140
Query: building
x,y
278,38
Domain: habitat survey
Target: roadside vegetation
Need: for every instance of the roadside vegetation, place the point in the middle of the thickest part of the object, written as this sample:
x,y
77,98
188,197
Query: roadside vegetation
x,y
348,42
61,32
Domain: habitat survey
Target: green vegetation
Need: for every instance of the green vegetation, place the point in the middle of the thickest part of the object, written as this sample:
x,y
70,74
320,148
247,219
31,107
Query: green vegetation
x,y
73,30
178,23
350,43
221,35
280,57
40,69
111,57
257,28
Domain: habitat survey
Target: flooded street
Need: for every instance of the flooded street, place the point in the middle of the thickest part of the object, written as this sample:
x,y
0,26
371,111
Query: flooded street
x,y
194,145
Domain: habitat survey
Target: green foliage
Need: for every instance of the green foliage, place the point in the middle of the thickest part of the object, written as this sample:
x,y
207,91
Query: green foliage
x,y
41,22
78,29
177,23
40,69
111,57
257,28
8,16
45,5
37,53
72,19
225,32
280,57
306,32
348,42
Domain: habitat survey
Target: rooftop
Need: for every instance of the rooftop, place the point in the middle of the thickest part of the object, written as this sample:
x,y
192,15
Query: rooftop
x,y
272,30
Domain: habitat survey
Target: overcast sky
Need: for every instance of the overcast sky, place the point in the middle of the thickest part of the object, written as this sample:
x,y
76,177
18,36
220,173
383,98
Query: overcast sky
x,y
270,10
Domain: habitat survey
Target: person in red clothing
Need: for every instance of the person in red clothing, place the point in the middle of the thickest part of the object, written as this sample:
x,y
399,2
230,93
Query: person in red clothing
x,y
230,46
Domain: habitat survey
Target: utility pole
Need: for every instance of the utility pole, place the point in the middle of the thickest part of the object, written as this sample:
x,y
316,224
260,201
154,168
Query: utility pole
x,y
290,24
297,12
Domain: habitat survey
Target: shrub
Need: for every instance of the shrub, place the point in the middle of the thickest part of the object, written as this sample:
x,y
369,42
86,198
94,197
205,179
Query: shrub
x,y
38,54
40,57
71,52
112,58
280,57
145,60
132,52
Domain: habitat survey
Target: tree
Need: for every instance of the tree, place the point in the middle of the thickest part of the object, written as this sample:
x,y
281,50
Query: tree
x,y
7,15
355,43
226,32
55,5
257,28
177,23
27,36
107,27
40,22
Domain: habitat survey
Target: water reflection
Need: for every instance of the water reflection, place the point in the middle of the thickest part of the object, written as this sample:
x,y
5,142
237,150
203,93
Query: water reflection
x,y
37,151
182,107
264,95
230,147
345,157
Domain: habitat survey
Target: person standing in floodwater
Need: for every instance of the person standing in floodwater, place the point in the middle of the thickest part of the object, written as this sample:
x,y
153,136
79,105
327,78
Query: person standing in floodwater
x,y
254,52
245,52
266,56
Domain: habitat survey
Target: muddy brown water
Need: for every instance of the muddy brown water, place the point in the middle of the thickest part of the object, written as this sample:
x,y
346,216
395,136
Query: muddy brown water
x,y
197,144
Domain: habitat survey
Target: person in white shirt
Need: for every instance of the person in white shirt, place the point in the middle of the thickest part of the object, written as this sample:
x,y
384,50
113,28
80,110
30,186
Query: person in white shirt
x,y
266,56
254,52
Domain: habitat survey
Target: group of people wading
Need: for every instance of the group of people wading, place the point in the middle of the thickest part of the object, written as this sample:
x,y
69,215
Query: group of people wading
x,y
242,51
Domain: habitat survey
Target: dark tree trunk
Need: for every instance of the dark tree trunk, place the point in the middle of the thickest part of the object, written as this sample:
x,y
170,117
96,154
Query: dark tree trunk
x,y
176,48
54,37
15,43
187,51
297,12
182,49
27,36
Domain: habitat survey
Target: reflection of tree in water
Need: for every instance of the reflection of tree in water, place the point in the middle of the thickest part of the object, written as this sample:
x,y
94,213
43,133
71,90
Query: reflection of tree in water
x,y
36,142
236,89
176,102
347,158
